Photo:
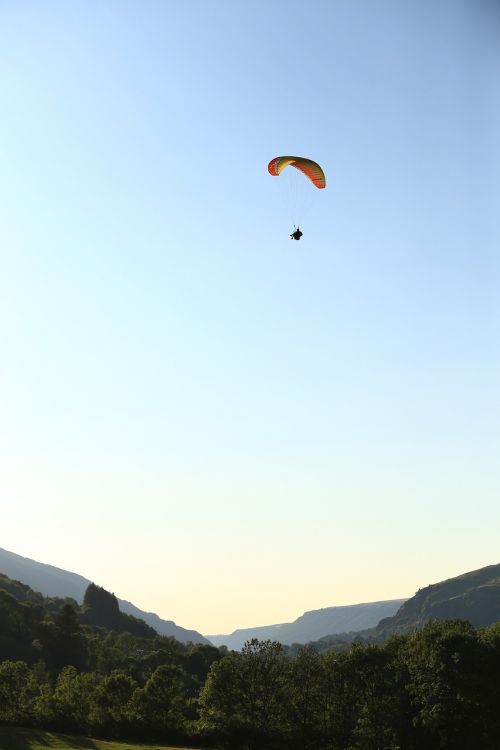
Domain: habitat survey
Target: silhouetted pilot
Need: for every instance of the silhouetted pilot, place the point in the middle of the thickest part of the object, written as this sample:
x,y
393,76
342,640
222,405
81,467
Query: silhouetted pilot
x,y
296,235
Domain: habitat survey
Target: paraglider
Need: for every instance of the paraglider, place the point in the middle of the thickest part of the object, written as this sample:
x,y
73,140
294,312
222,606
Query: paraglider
x,y
309,168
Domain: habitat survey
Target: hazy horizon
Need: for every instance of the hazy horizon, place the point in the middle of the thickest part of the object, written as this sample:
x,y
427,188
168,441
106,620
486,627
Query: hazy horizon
x,y
219,424
166,617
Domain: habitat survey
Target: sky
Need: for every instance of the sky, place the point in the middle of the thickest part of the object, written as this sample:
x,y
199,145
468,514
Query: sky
x,y
217,423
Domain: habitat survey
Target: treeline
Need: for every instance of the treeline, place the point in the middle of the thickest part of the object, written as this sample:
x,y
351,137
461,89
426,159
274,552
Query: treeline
x,y
436,689
56,672
100,608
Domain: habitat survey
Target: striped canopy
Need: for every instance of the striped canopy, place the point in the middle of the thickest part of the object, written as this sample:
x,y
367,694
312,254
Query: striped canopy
x,y
310,168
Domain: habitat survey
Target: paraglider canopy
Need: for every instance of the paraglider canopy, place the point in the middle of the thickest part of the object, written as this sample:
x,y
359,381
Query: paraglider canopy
x,y
310,168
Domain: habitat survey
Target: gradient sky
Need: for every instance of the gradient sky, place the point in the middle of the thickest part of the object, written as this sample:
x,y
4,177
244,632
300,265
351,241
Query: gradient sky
x,y
221,425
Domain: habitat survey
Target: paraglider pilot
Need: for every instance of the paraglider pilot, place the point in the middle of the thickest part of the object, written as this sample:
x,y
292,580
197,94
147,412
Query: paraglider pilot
x,y
296,235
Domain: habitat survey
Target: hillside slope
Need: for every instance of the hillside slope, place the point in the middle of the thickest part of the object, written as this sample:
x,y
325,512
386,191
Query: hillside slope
x,y
52,581
314,624
473,596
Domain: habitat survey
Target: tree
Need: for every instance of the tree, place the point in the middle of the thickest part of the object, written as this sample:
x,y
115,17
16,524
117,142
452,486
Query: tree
x,y
160,706
73,698
16,706
444,663
101,608
489,640
243,701
111,710
376,699
304,698
64,640
337,701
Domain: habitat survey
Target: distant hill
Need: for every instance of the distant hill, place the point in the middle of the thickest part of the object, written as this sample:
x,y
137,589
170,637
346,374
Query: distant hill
x,y
315,624
55,582
100,608
473,596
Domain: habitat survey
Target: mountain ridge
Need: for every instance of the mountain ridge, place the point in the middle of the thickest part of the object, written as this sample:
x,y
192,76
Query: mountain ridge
x,y
472,596
52,581
314,624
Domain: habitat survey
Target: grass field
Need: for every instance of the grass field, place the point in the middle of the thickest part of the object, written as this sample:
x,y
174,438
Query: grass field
x,y
15,738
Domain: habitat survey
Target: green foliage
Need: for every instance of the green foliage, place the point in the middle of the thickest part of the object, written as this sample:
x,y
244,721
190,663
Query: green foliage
x,y
160,706
243,700
100,608
98,599
14,692
111,711
72,700
20,591
63,640
304,704
446,683
436,688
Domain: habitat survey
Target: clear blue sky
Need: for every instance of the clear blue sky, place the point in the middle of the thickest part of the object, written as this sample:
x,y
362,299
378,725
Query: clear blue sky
x,y
222,425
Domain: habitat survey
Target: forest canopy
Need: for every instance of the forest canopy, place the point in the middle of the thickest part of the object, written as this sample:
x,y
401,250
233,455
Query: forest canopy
x,y
436,688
